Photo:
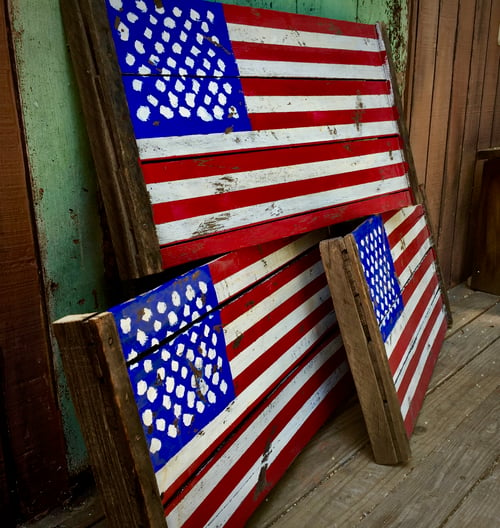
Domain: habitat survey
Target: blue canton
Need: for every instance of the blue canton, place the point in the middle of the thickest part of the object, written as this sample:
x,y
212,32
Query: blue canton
x,y
179,71
378,267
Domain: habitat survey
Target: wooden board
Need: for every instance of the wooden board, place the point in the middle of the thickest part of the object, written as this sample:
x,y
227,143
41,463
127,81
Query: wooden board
x,y
245,125
393,319
227,371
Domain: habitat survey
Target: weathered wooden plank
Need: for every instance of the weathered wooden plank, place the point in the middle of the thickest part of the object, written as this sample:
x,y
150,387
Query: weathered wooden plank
x,y
345,294
31,428
103,398
112,139
480,507
436,487
358,487
456,173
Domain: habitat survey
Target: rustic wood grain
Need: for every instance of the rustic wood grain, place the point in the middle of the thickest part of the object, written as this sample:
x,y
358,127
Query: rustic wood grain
x,y
112,139
486,266
31,425
103,398
357,343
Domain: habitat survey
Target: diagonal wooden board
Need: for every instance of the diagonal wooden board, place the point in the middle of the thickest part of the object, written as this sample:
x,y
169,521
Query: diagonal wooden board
x,y
391,363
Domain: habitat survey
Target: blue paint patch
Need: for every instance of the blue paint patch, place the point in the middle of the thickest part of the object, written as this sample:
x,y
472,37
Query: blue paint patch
x,y
378,268
184,49
147,320
182,387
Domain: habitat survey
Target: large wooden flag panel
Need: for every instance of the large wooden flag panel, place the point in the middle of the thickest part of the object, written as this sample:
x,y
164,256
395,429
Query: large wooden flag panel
x,y
385,285
233,367
236,126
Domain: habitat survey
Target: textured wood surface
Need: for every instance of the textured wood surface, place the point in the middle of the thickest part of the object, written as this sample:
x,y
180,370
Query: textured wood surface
x,y
32,439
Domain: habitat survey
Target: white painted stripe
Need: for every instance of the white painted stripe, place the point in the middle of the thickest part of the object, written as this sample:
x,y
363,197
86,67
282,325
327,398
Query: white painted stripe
x,y
254,314
268,104
236,282
408,309
239,280
410,351
398,218
408,238
412,266
412,388
283,69
202,225
212,432
167,147
241,181
259,347
303,39
199,493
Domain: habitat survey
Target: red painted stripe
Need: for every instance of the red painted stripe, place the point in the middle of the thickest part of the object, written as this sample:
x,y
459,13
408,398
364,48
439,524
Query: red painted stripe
x,y
310,87
401,348
411,250
418,399
235,261
410,371
276,52
281,347
404,227
305,433
279,20
173,170
237,470
252,298
418,274
279,120
182,209
180,253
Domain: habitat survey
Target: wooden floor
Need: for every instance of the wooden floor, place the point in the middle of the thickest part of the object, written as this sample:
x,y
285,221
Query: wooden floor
x,y
452,480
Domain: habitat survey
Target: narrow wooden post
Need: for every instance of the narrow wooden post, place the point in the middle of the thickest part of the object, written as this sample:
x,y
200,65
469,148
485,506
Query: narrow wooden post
x,y
98,380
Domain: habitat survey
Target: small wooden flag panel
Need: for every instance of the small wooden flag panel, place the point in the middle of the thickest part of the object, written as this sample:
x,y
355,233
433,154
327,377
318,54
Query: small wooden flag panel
x,y
198,364
235,112
390,268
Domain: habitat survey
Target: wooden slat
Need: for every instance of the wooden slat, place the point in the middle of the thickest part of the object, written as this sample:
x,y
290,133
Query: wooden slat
x,y
97,377
346,291
112,139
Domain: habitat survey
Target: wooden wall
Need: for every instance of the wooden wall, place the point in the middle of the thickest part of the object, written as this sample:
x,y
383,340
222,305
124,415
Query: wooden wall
x,y
453,109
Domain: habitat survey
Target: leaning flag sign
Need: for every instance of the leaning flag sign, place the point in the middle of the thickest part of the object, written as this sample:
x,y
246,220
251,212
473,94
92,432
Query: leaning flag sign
x,y
385,285
244,117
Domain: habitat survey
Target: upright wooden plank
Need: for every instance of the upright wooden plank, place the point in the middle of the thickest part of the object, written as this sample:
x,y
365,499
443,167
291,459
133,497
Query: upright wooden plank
x,y
458,223
421,77
345,295
111,137
31,429
453,175
440,112
94,364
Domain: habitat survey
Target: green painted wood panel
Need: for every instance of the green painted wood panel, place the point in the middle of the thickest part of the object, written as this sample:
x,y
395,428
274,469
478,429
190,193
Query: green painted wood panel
x,y
63,181
62,171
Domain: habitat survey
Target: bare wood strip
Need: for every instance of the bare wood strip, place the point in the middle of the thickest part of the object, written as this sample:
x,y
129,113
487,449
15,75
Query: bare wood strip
x,y
105,405
111,135
357,345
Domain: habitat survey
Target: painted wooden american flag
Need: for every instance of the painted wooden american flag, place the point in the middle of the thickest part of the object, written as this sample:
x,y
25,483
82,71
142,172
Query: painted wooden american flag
x,y
233,373
399,264
244,117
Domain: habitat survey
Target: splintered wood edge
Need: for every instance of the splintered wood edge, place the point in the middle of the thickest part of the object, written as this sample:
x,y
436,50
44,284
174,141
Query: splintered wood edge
x,y
112,139
352,326
97,377
378,354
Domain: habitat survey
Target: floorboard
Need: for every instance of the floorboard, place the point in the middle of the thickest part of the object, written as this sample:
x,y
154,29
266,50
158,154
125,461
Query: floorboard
x,y
452,478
